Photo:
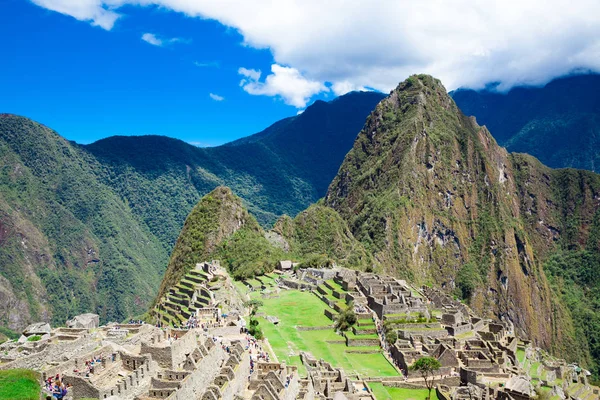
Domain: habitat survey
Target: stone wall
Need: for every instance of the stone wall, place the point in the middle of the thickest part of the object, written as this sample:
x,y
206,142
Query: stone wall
x,y
238,383
362,342
133,384
459,329
330,314
78,363
82,388
172,356
207,369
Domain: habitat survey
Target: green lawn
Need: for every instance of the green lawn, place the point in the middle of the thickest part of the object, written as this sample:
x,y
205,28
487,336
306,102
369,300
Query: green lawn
x,y
521,355
19,384
390,393
295,308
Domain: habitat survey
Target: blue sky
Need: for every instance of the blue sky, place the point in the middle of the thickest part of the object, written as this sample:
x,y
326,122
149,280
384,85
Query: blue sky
x,y
210,71
88,83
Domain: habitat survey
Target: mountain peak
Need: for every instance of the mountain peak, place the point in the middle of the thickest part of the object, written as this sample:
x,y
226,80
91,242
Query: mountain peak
x,y
420,90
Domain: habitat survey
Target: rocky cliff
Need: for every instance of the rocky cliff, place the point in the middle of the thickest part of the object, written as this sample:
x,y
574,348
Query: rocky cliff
x,y
430,193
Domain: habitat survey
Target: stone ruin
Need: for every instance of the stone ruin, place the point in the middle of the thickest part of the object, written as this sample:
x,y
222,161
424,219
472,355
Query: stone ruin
x,y
480,358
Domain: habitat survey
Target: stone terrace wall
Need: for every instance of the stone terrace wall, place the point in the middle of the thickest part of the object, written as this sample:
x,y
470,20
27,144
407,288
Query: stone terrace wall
x,y
133,384
60,351
237,385
207,369
174,355
82,388
78,363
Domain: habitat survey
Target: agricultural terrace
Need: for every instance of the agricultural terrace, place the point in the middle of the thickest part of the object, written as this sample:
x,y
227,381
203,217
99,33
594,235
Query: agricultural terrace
x,y
392,393
298,310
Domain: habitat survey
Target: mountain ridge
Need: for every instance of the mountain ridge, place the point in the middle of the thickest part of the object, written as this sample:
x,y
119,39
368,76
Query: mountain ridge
x,y
79,221
433,197
559,123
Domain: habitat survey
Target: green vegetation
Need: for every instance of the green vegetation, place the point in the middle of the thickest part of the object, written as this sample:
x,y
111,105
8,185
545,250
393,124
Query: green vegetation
x,y
219,227
100,220
346,319
320,236
253,327
427,367
19,384
391,393
575,276
467,281
9,333
296,309
545,127
34,338
247,252
70,244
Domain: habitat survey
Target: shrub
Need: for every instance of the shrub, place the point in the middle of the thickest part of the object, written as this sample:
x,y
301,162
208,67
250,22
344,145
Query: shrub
x,y
34,338
346,319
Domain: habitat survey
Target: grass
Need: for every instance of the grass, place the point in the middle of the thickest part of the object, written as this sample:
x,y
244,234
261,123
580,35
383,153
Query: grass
x,y
521,355
391,393
351,335
19,384
294,308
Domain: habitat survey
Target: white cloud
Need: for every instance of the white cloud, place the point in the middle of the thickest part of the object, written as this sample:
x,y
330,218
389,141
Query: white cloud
x,y
157,41
300,111
343,87
252,74
200,143
152,39
199,64
378,43
98,12
285,82
216,97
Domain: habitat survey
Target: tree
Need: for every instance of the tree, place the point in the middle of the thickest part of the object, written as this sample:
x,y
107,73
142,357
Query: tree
x,y
427,366
346,319
391,336
253,327
253,305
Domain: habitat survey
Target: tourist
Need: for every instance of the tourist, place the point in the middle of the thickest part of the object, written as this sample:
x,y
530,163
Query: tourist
x,y
59,391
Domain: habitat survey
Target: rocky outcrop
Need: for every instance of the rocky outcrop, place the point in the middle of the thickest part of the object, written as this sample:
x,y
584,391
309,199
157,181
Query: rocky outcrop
x,y
431,193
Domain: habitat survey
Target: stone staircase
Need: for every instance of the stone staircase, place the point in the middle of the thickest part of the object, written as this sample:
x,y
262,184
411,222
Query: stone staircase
x,y
185,298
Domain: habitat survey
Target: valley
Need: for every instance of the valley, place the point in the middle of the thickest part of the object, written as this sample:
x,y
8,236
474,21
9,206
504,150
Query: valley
x,y
431,243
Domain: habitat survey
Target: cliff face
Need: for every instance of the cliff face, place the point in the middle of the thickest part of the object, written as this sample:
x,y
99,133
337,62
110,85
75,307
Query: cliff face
x,y
436,200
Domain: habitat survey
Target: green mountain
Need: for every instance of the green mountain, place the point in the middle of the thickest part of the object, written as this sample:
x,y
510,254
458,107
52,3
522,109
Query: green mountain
x,y
91,227
220,227
281,170
435,200
68,243
558,123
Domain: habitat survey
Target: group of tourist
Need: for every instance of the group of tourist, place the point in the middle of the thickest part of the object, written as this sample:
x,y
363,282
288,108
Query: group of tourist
x,y
360,309
56,388
192,323
89,366
256,352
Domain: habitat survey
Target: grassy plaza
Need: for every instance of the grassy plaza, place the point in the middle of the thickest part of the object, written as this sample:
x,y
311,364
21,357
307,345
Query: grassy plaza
x,y
297,309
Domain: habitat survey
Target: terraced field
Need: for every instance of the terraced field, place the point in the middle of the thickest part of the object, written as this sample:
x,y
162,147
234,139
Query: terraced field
x,y
297,310
390,393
